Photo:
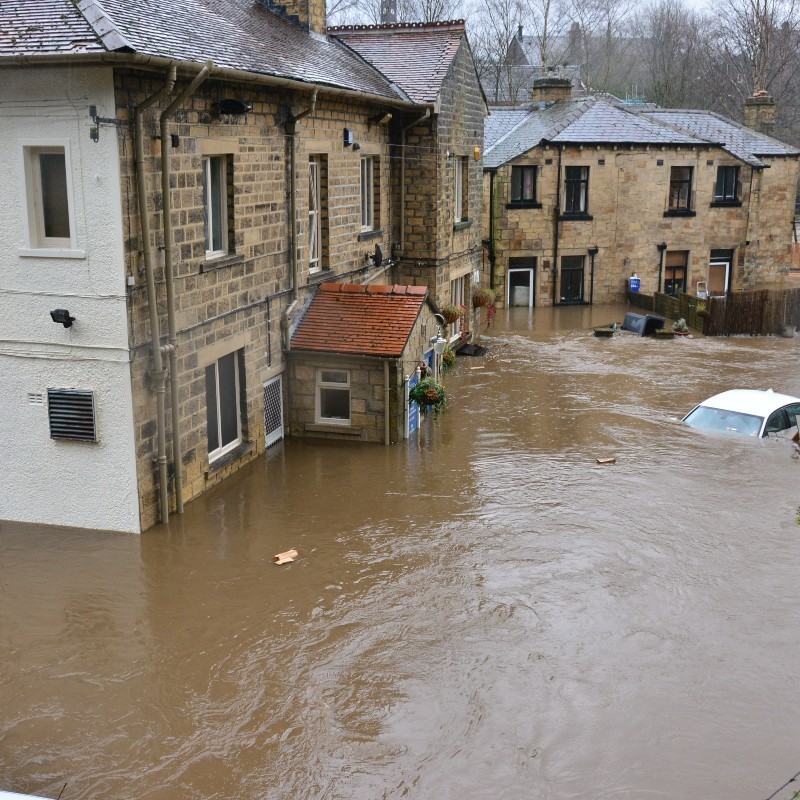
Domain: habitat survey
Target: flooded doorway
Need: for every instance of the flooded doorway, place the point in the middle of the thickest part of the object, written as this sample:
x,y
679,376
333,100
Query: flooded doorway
x,y
572,269
719,272
521,282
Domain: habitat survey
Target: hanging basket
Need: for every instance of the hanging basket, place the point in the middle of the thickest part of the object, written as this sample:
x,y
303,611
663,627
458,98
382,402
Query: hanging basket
x,y
483,297
429,396
452,314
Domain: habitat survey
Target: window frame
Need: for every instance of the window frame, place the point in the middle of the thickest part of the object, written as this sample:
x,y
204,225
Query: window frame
x,y
458,293
519,184
675,190
576,188
367,194
207,180
323,385
38,243
461,189
723,197
223,449
314,214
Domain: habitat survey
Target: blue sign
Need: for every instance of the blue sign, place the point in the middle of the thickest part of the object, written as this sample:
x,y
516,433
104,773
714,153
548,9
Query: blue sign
x,y
413,408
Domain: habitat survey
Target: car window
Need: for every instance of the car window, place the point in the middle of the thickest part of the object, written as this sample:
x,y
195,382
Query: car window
x,y
778,421
720,419
793,410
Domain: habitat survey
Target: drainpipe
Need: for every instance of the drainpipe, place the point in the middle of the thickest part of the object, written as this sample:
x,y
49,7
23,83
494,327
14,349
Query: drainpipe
x,y
492,255
661,249
555,226
387,439
166,214
292,131
416,122
593,251
157,374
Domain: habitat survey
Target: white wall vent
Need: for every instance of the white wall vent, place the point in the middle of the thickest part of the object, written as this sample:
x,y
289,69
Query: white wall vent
x,y
71,413
273,411
35,398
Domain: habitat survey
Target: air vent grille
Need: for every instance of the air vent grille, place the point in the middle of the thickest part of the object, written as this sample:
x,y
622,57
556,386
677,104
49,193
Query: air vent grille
x,y
71,413
35,398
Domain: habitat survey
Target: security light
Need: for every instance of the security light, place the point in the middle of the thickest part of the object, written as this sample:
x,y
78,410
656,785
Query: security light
x,y
382,118
62,316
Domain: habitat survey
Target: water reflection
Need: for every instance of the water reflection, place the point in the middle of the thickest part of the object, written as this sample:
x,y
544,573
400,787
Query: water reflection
x,y
484,611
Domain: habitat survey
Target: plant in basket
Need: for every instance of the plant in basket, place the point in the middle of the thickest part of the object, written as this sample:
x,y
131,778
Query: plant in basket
x,y
452,313
429,396
483,296
448,359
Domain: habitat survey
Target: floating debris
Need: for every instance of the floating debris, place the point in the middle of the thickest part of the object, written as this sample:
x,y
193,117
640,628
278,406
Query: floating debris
x,y
285,557
606,460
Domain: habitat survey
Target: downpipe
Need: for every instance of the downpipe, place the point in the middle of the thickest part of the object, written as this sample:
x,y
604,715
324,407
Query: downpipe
x,y
166,213
157,374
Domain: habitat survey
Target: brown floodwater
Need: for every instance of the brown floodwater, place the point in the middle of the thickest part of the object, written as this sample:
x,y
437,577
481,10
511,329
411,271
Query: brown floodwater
x,y
483,612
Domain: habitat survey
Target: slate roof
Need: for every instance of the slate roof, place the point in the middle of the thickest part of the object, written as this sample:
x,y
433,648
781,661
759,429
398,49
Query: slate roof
x,y
509,133
358,319
741,141
235,34
45,26
416,56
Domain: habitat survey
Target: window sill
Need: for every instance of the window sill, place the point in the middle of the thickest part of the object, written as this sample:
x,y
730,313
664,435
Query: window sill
x,y
221,261
367,235
50,252
460,226
726,204
524,204
323,427
680,212
575,217
320,276
223,461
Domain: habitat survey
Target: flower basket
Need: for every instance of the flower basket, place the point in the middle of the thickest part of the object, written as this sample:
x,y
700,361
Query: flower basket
x,y
482,297
452,313
429,396
448,358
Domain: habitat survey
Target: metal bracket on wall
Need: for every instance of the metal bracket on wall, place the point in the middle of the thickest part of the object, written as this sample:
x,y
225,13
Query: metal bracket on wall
x,y
94,131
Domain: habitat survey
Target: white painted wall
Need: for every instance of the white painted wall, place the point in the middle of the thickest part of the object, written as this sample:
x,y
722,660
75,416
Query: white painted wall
x,y
43,480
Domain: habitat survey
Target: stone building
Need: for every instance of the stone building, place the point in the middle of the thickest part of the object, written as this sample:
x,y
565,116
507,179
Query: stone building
x,y
581,194
183,179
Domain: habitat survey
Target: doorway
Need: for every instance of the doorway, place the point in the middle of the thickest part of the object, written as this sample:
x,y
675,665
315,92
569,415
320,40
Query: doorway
x,y
521,282
677,263
572,279
719,272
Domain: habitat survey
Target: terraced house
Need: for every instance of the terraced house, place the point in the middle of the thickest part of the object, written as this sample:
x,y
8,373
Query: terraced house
x,y
582,194
181,179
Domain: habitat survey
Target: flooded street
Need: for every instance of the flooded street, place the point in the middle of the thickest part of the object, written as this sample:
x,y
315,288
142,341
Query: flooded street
x,y
483,612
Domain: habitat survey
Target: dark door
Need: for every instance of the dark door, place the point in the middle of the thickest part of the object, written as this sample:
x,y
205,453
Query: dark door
x,y
572,279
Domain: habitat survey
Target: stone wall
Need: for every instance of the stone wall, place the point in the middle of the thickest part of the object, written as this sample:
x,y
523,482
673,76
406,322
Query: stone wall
x,y
628,218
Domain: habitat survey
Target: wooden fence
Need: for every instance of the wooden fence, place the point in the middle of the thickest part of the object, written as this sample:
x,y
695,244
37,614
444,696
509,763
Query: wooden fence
x,y
757,313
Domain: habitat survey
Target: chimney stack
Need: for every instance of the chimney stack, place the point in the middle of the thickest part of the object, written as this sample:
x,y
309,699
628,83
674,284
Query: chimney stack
x,y
388,11
759,112
551,90
309,14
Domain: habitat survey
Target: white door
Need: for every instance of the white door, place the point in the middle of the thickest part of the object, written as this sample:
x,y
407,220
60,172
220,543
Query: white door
x,y
521,287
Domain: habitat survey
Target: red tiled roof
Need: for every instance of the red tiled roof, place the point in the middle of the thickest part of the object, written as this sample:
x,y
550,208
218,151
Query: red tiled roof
x,y
359,319
415,56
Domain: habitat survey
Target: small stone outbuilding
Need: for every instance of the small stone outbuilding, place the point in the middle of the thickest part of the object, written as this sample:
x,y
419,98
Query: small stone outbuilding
x,y
352,357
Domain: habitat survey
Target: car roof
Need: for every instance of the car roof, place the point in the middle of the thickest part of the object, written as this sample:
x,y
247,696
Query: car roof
x,y
760,402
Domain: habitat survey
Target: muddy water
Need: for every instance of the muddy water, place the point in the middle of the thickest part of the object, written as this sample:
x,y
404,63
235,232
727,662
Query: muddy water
x,y
483,613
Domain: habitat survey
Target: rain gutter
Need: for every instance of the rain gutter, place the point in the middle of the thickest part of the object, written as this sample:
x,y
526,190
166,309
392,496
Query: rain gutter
x,y
168,276
492,255
156,374
387,439
557,214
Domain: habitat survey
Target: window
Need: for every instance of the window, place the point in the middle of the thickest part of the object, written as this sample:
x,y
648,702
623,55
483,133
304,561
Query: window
x,y
223,405
457,294
576,190
368,192
461,166
333,396
680,189
49,194
317,212
675,272
523,184
215,205
726,189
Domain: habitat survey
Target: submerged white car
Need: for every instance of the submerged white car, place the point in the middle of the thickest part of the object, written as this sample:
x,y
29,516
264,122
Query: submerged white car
x,y
754,412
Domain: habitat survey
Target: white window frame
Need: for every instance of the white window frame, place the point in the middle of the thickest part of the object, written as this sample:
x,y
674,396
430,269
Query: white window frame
x,y
321,385
39,244
222,450
457,295
222,197
367,193
314,214
459,189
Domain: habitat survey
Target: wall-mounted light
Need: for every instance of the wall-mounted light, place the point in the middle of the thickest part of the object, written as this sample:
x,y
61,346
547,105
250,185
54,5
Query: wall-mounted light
x,y
356,146
477,153
348,138
381,118
439,344
62,316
